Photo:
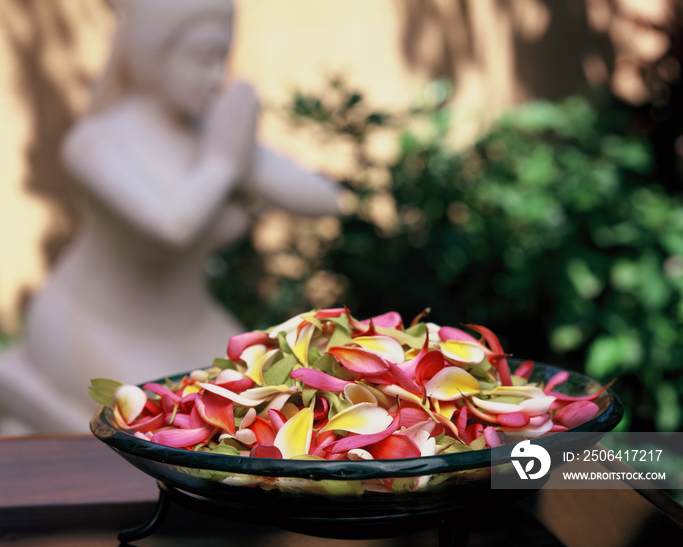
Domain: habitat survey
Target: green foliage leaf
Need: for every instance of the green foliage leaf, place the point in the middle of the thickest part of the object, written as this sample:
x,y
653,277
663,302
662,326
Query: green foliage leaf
x,y
102,391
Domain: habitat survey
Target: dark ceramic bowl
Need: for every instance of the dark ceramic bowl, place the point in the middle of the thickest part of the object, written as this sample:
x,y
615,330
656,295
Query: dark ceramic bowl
x,y
298,489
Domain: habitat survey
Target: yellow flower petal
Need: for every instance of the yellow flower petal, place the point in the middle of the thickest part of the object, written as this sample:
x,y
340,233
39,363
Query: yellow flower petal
x,y
294,437
363,418
130,400
303,339
255,368
452,383
463,352
384,346
234,397
358,394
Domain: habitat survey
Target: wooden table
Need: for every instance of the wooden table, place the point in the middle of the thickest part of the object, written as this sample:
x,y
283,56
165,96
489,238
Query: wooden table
x,y
75,491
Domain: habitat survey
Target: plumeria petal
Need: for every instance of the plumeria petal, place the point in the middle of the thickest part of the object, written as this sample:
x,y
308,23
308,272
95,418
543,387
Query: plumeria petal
x,y
513,419
363,418
255,368
384,346
180,438
524,370
359,441
359,454
451,333
471,353
130,400
216,410
591,397
577,413
500,363
389,320
356,393
263,431
491,437
528,430
303,339
394,447
319,380
557,379
234,397
359,361
294,437
238,343
265,451
452,383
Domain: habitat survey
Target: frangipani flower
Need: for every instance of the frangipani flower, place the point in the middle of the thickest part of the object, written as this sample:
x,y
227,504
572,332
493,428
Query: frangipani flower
x,y
326,386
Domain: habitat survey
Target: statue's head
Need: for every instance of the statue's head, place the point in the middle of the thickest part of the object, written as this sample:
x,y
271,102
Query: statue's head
x,y
175,49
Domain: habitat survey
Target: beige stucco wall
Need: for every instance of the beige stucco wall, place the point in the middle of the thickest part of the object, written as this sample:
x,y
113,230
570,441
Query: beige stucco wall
x,y
498,52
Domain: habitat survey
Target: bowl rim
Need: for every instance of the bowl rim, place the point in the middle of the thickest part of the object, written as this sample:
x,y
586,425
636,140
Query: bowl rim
x,y
102,426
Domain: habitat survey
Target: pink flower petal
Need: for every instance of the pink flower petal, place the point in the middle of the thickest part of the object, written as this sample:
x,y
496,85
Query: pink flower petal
x,y
319,380
161,391
181,438
576,413
513,419
451,333
591,397
498,360
557,379
359,361
238,343
491,437
525,369
359,441
389,320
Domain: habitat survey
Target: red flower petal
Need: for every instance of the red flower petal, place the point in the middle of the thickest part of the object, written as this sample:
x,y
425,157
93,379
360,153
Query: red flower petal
x,y
263,431
216,410
394,447
265,451
557,379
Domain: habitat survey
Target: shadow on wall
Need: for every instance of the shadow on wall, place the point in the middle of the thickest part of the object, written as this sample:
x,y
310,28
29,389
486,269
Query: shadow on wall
x,y
50,111
552,48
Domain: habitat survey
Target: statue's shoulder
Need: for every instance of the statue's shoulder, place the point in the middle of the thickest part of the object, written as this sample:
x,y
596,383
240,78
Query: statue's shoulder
x,y
112,129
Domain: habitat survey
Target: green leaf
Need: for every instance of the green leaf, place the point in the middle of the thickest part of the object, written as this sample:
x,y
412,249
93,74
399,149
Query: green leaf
x,y
403,338
102,391
340,336
325,363
307,394
418,330
227,449
282,342
223,364
313,354
278,373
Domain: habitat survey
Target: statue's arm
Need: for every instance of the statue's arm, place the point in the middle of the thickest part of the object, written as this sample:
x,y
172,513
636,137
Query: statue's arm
x,y
287,185
173,214
176,214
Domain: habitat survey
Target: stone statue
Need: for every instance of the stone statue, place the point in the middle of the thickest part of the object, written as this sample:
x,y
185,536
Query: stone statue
x,y
160,160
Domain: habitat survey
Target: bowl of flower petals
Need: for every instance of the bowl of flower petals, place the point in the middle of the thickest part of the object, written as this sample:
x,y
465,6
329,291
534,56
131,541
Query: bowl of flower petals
x,y
328,417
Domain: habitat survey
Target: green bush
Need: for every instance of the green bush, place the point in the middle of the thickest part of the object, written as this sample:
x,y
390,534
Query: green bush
x,y
550,230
